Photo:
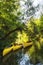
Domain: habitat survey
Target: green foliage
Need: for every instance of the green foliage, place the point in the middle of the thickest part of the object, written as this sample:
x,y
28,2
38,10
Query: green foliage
x,y
22,37
35,34
34,31
9,21
12,30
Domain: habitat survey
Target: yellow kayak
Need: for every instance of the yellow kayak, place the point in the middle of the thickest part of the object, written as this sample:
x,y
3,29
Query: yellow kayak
x,y
15,47
7,50
27,44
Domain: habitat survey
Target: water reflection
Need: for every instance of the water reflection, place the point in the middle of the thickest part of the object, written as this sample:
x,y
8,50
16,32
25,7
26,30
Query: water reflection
x,y
24,60
20,57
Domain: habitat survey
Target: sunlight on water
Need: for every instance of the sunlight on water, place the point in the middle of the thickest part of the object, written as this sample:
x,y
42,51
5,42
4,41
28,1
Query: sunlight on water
x,y
25,60
18,58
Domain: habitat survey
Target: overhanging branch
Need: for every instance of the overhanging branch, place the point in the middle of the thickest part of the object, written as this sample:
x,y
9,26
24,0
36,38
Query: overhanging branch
x,y
10,32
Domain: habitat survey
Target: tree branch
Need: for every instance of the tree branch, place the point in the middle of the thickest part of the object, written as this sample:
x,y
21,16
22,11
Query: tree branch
x,y
10,32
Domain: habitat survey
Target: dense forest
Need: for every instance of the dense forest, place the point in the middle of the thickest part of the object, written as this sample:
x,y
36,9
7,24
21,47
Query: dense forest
x,y
16,32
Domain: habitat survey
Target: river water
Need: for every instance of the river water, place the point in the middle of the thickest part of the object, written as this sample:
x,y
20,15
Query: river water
x,y
20,57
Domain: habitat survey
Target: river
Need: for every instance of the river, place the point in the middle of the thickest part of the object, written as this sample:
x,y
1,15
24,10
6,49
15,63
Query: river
x,y
20,57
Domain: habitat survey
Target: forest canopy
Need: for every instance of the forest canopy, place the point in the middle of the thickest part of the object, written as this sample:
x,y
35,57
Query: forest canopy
x,y
14,31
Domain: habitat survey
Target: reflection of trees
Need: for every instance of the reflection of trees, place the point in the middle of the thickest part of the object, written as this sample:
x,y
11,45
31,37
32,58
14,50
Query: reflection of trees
x,y
12,58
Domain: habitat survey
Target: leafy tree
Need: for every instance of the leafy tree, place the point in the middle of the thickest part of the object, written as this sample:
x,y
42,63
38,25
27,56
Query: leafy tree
x,y
22,38
9,22
35,34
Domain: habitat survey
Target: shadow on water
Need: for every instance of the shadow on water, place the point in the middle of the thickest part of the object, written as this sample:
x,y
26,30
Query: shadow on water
x,y
19,57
